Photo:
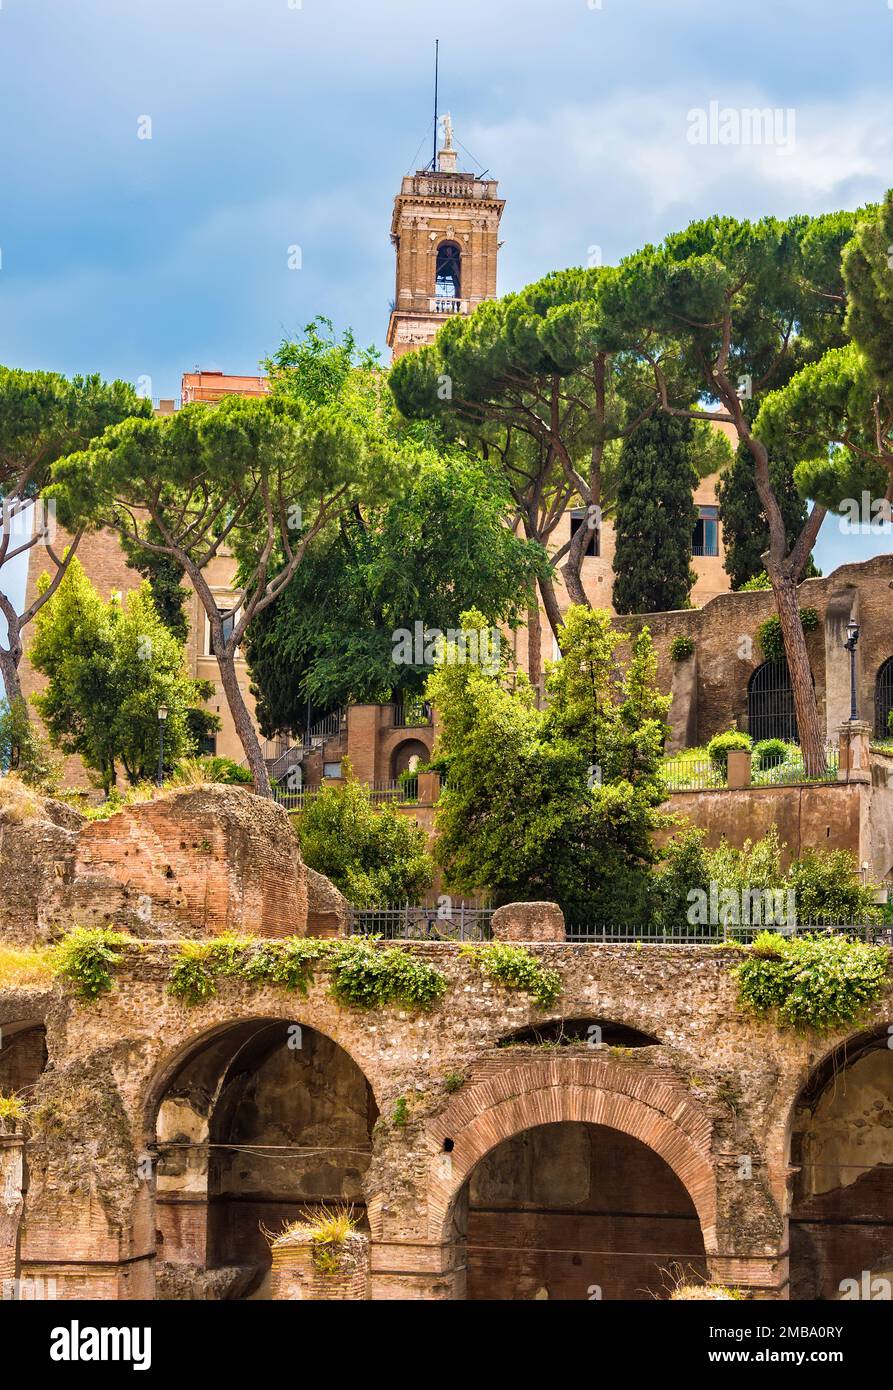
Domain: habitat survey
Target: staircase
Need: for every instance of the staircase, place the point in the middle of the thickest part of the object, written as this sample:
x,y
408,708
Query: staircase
x,y
281,755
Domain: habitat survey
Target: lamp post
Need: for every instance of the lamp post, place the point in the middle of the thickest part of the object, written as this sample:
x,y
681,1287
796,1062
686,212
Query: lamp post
x,y
852,641
162,719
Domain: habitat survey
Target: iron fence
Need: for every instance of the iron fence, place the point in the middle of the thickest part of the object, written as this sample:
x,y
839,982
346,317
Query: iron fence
x,y
412,714
685,773
583,933
459,923
792,771
692,774
403,793
466,923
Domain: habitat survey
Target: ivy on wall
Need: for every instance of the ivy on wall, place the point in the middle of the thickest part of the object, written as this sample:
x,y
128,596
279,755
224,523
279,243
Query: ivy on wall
x,y
362,973
769,634
813,981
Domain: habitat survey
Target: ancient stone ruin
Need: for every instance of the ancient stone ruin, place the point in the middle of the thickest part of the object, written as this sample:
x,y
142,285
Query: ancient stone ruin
x,y
483,1147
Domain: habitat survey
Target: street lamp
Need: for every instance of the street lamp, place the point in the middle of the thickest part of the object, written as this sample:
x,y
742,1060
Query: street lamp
x,y
852,641
162,720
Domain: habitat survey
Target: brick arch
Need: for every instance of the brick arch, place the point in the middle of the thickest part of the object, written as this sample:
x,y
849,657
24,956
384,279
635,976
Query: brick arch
x,y
648,1105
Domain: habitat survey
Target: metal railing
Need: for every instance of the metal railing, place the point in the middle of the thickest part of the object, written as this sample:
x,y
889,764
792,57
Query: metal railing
x,y
404,793
682,773
582,933
407,923
412,714
327,727
692,774
791,771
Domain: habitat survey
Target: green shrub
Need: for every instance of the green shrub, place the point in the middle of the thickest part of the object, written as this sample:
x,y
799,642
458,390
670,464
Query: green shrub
x,y
721,745
758,582
684,868
288,964
514,967
828,885
681,648
24,750
12,1109
364,977
372,854
192,976
401,1112
815,981
771,752
769,634
86,957
211,768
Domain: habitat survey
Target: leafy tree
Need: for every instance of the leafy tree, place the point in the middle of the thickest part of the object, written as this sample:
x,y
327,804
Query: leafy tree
x,y
42,417
558,804
23,750
826,884
549,364
164,575
109,667
436,549
748,305
836,414
869,286
261,477
655,517
373,855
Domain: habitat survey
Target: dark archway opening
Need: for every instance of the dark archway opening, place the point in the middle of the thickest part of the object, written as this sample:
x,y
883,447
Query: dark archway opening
x,y
770,703
573,1211
262,1122
448,277
883,700
570,1032
23,1056
841,1220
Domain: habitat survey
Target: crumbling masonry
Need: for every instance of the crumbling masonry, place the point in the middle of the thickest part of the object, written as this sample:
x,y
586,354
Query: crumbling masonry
x,y
487,1149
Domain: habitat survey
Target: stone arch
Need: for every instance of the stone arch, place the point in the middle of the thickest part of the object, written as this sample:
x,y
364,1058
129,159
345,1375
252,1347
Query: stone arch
x,y
573,1029
403,755
839,1149
770,703
189,1046
23,1053
654,1109
251,1122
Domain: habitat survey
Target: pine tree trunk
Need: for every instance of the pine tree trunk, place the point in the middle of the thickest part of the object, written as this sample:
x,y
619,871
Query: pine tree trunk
x,y
571,569
244,723
9,666
784,568
553,611
809,728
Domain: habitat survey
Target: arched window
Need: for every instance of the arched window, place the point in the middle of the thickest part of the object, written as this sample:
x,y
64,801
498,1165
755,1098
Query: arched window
x,y
448,277
770,703
883,700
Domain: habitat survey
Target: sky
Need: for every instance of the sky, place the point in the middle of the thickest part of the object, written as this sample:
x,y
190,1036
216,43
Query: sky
x,y
283,123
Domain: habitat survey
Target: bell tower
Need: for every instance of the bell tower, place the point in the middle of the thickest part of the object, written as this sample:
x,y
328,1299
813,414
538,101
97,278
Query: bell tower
x,y
445,231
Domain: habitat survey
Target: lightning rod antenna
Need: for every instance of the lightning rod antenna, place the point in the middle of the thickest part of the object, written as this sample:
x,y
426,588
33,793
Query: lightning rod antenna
x,y
436,81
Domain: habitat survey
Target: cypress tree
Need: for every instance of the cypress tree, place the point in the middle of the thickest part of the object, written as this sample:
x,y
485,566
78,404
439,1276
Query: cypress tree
x,y
655,517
